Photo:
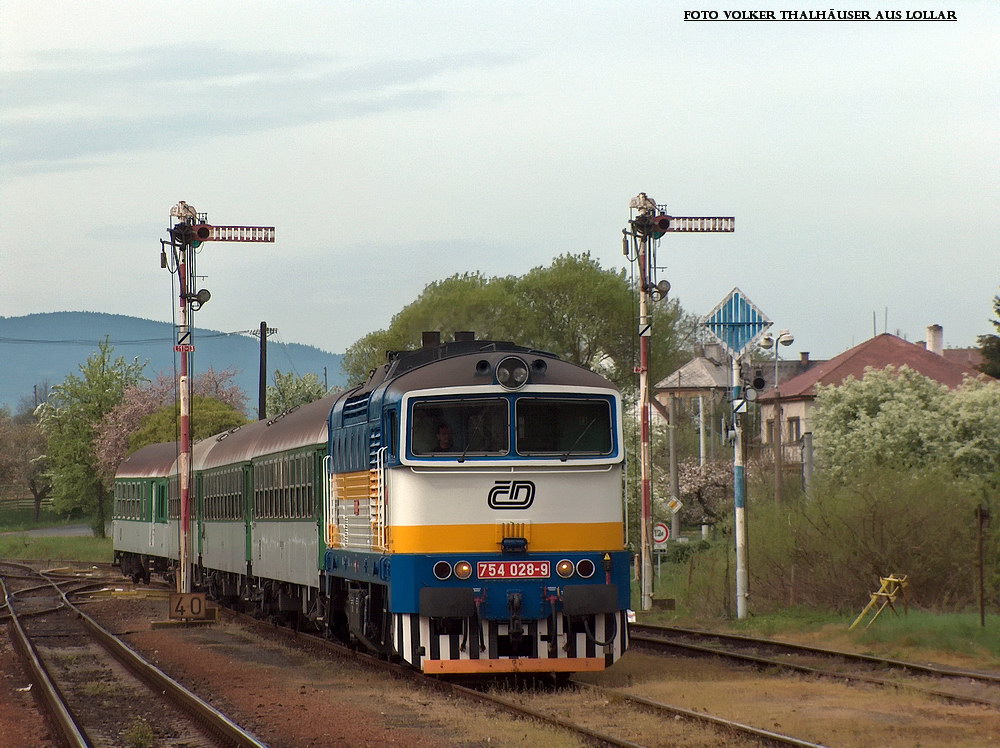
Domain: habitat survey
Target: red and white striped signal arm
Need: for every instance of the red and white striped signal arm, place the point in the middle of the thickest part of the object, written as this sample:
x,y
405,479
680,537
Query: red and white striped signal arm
x,y
205,232
703,224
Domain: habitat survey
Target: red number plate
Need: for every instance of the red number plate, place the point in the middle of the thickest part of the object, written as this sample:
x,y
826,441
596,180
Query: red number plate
x,y
513,569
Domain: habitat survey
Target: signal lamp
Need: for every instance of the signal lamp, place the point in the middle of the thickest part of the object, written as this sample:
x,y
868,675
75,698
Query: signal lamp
x,y
201,233
442,570
182,233
565,568
659,225
512,373
463,570
198,300
585,568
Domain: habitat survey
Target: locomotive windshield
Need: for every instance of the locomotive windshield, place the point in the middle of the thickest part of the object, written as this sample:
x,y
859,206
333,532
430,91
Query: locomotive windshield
x,y
460,427
563,427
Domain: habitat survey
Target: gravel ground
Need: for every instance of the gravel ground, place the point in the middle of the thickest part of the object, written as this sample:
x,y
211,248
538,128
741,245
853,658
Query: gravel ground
x,y
290,698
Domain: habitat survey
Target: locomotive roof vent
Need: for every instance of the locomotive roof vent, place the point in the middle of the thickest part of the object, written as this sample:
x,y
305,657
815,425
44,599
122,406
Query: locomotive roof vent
x,y
512,373
430,338
464,336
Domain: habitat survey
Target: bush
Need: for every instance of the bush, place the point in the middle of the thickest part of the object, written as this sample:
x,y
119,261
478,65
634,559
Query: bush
x,y
829,551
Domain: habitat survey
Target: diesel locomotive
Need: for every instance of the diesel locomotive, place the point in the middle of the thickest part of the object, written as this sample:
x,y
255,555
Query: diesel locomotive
x,y
461,511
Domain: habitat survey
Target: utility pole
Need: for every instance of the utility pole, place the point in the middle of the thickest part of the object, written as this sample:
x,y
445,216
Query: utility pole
x,y
262,333
649,224
188,233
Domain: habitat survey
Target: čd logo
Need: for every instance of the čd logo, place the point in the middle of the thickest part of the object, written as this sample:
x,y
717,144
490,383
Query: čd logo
x,y
512,494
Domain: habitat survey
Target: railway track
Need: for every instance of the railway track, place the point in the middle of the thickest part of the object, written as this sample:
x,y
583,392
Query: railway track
x,y
963,686
96,690
557,706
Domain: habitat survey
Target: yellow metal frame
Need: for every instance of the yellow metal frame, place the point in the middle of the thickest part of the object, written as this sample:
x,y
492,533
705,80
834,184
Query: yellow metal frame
x,y
892,586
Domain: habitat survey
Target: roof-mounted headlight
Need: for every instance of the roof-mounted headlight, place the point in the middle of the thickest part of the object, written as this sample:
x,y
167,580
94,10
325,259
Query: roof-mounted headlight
x,y
512,373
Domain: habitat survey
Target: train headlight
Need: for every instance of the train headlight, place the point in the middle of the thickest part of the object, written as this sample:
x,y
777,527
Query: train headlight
x,y
463,570
512,373
565,568
442,570
585,568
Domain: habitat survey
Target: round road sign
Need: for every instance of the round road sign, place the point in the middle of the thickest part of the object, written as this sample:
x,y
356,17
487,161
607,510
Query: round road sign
x,y
660,532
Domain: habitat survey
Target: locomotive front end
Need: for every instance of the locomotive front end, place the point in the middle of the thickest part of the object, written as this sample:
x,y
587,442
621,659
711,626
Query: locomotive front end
x,y
504,516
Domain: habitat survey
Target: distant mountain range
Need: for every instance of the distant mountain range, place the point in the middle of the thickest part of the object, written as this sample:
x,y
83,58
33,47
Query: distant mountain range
x,y
45,348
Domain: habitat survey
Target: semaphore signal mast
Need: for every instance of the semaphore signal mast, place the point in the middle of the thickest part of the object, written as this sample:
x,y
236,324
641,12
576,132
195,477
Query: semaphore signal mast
x,y
649,223
190,230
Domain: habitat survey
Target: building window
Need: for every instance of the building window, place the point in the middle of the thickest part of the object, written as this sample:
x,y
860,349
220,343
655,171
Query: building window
x,y
794,429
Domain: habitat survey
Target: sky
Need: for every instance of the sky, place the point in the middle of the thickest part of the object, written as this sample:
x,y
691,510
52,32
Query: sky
x,y
393,144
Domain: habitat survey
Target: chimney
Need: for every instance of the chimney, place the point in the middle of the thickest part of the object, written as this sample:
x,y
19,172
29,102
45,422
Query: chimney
x,y
699,350
430,338
804,358
935,339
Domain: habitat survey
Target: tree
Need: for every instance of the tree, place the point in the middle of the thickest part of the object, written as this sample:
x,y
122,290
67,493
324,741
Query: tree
x,y
705,490
22,456
208,417
290,390
574,308
113,433
69,418
989,345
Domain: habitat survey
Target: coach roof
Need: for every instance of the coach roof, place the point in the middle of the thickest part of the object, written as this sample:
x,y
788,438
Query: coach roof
x,y
302,426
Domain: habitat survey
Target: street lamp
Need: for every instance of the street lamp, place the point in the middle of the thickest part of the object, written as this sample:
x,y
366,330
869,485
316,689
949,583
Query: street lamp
x,y
767,342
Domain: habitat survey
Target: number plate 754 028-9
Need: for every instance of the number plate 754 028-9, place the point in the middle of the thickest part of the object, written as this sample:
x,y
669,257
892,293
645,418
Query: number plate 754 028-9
x,y
513,569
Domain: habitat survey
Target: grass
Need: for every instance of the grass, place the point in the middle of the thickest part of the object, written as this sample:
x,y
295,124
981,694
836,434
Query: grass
x,y
14,520
20,547
139,734
951,638
960,633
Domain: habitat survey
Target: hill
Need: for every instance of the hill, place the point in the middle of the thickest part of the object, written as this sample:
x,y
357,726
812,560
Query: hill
x,y
45,348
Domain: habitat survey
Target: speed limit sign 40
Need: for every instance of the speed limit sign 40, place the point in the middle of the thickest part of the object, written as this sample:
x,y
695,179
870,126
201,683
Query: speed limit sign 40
x,y
660,534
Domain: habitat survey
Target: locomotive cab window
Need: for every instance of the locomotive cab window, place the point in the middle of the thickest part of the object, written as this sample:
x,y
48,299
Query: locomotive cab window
x,y
463,428
563,427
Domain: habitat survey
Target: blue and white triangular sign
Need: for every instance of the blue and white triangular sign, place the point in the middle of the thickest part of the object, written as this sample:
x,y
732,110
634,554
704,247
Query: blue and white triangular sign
x,y
736,322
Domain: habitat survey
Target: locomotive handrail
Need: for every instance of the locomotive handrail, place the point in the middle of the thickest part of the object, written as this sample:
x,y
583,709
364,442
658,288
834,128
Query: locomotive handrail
x,y
378,516
329,502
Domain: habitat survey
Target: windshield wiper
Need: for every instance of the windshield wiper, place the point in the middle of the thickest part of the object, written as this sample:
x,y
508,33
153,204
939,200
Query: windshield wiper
x,y
582,433
475,433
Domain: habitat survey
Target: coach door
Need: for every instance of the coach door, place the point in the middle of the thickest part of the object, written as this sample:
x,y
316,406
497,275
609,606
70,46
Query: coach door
x,y
248,509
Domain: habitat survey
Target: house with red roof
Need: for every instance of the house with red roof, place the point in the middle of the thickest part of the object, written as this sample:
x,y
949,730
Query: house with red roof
x,y
794,398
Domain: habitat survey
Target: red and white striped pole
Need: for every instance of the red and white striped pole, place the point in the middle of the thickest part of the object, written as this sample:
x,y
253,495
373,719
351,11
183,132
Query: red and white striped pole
x,y
184,459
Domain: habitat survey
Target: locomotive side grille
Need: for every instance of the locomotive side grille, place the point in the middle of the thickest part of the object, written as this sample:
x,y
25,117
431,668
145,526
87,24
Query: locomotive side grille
x,y
374,441
356,408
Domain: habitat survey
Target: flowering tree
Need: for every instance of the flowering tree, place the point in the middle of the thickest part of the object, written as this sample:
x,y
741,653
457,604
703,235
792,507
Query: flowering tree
x,y
900,418
139,402
704,490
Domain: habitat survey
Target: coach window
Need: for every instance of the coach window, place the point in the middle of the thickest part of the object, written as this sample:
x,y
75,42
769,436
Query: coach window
x,y
474,427
563,427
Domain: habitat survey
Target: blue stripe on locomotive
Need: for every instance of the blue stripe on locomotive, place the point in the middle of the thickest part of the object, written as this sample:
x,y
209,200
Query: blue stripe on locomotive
x,y
407,574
